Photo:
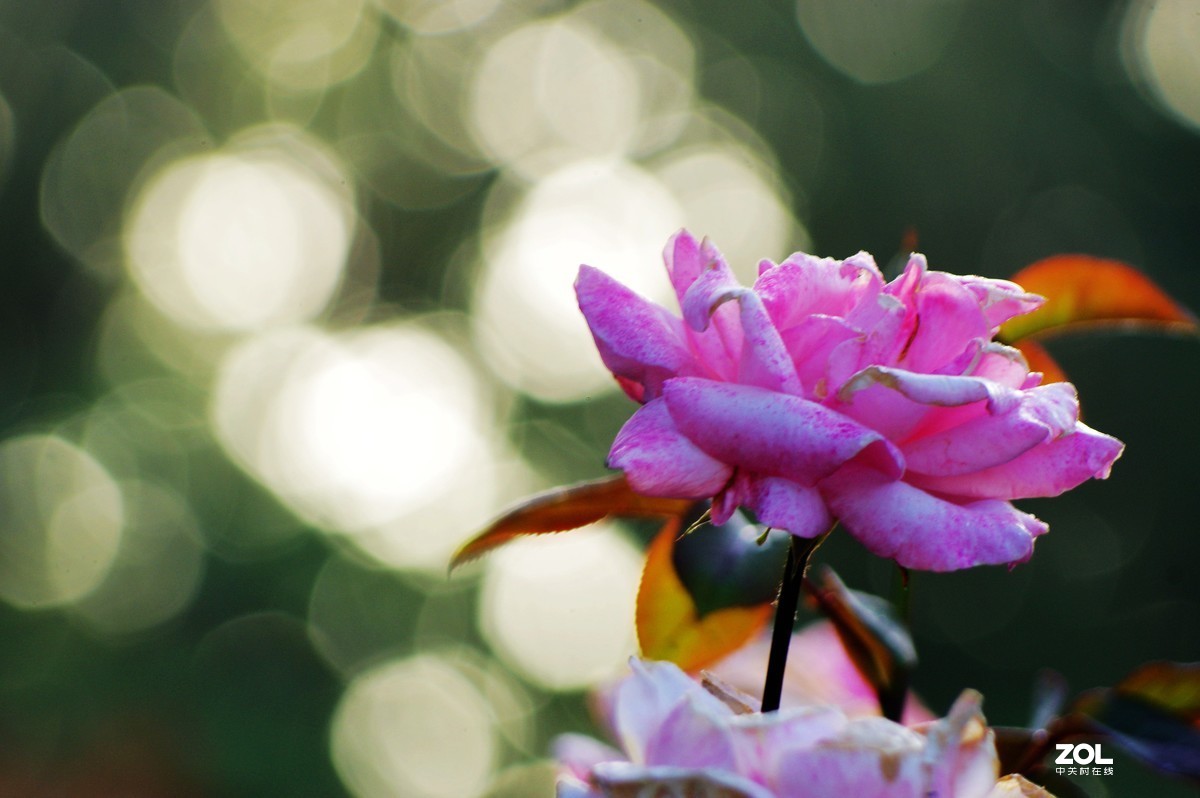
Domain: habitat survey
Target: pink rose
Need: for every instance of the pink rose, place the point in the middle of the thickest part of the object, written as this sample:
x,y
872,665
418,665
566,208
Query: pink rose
x,y
679,738
825,393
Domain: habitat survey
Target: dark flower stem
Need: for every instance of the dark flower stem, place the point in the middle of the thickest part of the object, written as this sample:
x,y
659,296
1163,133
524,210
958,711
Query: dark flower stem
x,y
798,557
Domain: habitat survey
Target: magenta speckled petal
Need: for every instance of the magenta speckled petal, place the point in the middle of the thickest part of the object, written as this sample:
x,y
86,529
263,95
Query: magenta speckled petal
x,y
764,361
658,460
1047,470
785,504
637,339
919,530
1000,300
1041,415
767,432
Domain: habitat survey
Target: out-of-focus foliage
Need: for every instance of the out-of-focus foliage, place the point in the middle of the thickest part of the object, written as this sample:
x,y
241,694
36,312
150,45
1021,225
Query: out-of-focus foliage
x,y
287,317
729,571
1087,292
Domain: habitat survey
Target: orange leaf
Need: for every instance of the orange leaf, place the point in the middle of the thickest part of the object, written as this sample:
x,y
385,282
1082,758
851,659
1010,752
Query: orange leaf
x,y
564,508
1081,289
668,624
1174,686
1040,360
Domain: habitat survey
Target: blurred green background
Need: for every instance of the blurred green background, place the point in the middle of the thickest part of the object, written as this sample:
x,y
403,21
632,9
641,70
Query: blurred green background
x,y
286,316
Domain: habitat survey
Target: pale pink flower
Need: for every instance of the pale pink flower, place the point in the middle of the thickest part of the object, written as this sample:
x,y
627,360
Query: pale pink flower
x,y
679,738
825,393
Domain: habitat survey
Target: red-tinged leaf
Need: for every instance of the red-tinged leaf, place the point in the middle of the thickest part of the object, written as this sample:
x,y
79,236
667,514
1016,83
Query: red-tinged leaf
x,y
1153,715
565,508
1085,290
670,627
877,642
1040,360
1172,686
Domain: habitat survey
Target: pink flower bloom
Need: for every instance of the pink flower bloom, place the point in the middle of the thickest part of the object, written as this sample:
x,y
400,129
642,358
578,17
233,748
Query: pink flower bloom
x,y
825,393
679,738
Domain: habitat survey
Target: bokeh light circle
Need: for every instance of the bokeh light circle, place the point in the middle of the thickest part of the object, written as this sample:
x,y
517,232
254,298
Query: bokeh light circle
x,y
62,517
239,241
439,17
875,42
559,609
1160,49
366,433
417,727
301,44
609,214
727,195
157,569
553,92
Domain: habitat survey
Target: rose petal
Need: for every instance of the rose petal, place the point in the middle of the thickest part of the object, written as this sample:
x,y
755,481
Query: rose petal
x,y
759,735
571,787
905,286
640,704
947,319
870,758
963,750
932,389
1041,415
719,346
783,504
658,460
811,343
621,779
637,339
770,433
683,261
984,360
884,325
579,754
691,737
763,360
1000,300
921,531
897,402
1045,470
803,285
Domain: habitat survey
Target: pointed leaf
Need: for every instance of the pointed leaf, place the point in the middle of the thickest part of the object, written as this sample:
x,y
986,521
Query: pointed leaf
x,y
1154,714
670,627
1172,686
1081,289
876,640
569,507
